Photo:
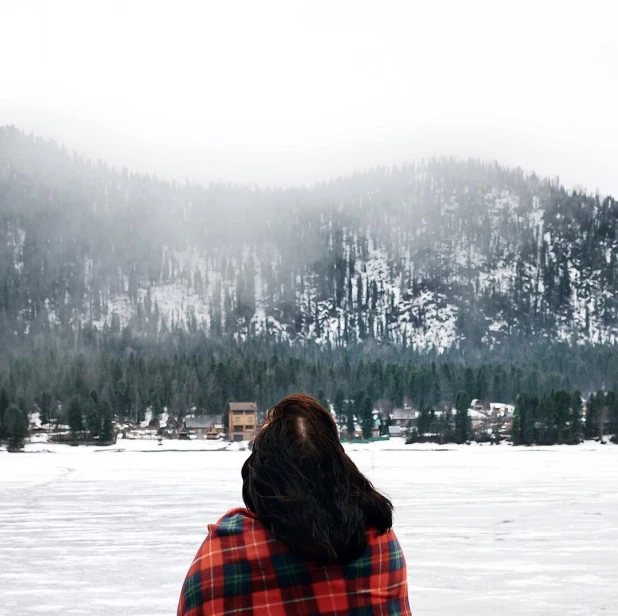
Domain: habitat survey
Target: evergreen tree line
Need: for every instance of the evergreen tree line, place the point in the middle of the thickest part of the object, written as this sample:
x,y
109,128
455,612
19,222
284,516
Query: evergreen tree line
x,y
445,425
556,418
119,377
204,382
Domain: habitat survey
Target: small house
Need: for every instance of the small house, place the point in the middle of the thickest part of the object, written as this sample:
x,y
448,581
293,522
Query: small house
x,y
479,419
394,430
204,426
242,420
500,410
403,418
173,428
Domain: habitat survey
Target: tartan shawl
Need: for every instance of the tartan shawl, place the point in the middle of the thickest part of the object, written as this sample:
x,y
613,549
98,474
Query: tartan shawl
x,y
242,569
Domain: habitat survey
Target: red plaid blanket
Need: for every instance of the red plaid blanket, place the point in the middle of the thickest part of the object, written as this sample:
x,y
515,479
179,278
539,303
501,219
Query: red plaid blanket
x,y
242,569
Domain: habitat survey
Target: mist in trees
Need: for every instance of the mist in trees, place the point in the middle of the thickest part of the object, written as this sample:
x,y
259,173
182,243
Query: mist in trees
x,y
120,292
441,254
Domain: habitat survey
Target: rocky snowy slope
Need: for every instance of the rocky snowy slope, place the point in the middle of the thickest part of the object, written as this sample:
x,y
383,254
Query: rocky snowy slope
x,y
431,256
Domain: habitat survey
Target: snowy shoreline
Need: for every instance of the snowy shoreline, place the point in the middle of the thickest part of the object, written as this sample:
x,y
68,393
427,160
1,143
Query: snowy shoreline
x,y
206,446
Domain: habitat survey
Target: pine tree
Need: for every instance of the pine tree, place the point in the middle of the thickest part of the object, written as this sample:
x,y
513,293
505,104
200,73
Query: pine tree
x,y
562,406
614,418
74,416
4,405
591,424
107,434
540,427
323,400
602,414
93,417
462,419
350,421
46,403
436,394
339,407
525,419
15,427
445,427
366,416
424,420
470,383
148,303
575,421
229,318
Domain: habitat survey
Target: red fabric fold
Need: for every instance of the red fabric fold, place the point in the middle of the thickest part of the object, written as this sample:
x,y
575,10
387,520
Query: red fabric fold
x,y
242,569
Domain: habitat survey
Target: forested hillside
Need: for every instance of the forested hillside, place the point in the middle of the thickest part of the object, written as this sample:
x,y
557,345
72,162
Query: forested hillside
x,y
434,256
463,274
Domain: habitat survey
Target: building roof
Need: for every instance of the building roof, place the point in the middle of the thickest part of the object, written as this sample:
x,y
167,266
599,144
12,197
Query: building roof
x,y
403,414
243,406
501,405
202,421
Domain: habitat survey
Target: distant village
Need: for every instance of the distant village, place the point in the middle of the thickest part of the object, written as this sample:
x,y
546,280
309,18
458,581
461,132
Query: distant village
x,y
239,423
488,421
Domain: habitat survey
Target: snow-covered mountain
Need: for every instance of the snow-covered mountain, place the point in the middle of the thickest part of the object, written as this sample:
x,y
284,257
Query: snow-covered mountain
x,y
436,255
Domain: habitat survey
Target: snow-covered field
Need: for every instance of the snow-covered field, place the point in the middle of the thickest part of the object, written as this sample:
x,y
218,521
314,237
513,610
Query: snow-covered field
x,y
486,530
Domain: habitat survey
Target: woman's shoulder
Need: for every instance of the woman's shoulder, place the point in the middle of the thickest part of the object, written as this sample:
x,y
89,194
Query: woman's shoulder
x,y
386,546
236,521
376,536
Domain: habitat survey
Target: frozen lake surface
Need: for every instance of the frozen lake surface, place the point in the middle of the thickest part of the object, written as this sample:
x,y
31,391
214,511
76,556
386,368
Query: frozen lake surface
x,y
486,530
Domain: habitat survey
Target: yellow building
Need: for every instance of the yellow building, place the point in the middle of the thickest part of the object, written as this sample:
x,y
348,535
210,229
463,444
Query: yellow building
x,y
242,420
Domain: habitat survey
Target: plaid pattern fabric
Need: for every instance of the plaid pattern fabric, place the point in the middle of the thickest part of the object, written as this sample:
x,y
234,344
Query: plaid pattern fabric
x,y
242,569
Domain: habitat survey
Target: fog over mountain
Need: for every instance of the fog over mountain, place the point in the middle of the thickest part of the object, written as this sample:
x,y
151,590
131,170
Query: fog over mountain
x,y
438,255
281,93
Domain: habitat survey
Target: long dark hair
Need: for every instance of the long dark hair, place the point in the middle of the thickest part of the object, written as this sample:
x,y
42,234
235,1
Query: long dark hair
x,y
301,484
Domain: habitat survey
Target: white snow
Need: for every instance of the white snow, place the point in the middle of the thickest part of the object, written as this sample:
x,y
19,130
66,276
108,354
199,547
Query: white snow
x,y
34,419
138,445
485,530
18,246
427,320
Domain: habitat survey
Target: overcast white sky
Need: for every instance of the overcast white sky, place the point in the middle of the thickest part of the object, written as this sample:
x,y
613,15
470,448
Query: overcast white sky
x,y
287,92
